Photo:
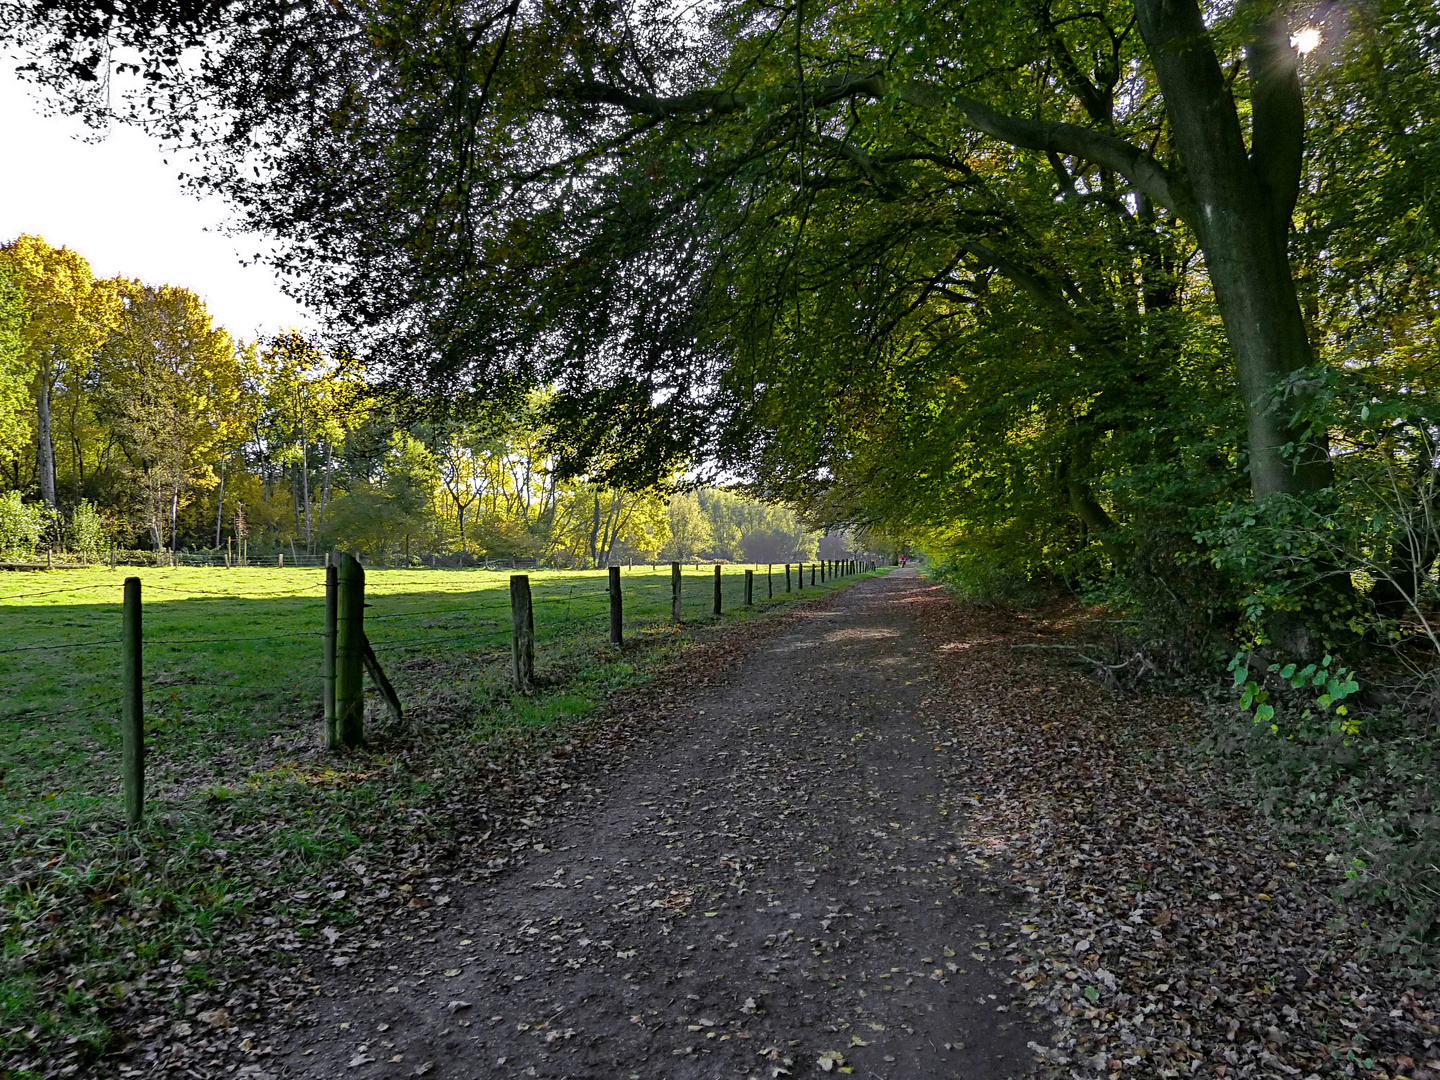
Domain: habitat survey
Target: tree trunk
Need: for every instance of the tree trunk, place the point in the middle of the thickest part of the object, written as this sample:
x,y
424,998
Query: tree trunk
x,y
595,532
325,489
219,504
1240,208
44,437
305,484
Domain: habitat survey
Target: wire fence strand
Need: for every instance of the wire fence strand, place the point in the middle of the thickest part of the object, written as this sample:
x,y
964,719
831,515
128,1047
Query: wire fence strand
x,y
70,645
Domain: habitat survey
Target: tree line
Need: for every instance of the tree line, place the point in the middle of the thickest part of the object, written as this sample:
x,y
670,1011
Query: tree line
x,y
128,417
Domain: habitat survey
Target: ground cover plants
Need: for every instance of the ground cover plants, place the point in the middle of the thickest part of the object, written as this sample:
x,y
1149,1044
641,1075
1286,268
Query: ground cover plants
x,y
246,814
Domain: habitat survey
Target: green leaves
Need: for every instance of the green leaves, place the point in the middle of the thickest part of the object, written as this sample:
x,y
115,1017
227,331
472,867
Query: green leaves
x,y
1294,712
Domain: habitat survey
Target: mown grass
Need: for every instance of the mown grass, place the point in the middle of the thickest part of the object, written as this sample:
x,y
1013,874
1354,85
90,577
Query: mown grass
x,y
240,803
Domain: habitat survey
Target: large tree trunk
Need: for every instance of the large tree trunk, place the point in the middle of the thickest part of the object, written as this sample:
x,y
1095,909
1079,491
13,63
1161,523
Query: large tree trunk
x,y
1241,205
45,440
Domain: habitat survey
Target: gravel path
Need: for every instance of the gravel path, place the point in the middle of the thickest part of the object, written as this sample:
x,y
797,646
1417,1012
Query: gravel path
x,y
771,886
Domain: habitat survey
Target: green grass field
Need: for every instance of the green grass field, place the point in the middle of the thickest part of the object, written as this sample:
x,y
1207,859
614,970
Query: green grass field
x,y
233,727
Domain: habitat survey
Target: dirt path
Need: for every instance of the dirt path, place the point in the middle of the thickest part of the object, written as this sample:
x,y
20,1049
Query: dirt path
x,y
770,887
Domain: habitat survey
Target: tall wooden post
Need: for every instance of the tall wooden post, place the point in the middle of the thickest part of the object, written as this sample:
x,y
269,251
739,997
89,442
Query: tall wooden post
x,y
769,581
787,577
675,592
327,666
800,574
717,590
132,707
350,653
522,625
749,587
812,573
615,614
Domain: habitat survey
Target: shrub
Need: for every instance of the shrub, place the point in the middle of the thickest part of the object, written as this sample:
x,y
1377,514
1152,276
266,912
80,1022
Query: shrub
x,y
985,578
22,524
87,533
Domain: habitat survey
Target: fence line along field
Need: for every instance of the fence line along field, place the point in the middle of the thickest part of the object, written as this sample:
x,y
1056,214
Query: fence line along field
x,y
235,654
242,803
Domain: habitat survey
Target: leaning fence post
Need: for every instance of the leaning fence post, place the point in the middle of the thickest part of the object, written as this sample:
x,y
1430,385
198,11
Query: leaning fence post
x,y
132,707
675,591
327,665
749,587
350,653
377,675
615,613
717,590
522,627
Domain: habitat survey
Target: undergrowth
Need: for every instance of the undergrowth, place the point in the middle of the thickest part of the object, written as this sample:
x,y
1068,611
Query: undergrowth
x,y
1369,797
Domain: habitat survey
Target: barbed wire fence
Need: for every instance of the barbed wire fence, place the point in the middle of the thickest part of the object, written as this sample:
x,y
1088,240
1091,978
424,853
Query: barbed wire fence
x,y
336,609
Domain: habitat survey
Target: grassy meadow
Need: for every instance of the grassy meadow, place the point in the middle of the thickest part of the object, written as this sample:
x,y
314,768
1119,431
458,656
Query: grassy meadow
x,y
240,798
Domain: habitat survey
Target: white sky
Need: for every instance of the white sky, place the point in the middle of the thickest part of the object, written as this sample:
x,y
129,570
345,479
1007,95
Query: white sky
x,y
118,204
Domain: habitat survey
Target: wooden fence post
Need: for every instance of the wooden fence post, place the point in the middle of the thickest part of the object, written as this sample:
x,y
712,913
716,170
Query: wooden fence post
x,y
615,613
749,587
769,581
800,573
350,652
675,592
522,625
327,666
787,577
717,590
132,707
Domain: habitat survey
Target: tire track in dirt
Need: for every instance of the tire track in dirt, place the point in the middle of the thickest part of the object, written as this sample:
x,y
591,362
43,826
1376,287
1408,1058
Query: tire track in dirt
x,y
771,887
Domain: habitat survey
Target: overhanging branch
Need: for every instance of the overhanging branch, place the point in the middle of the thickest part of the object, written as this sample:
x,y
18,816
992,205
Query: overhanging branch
x,y
1137,166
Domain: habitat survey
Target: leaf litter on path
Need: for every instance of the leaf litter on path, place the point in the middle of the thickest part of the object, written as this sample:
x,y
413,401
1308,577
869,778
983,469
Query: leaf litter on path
x,y
1172,932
